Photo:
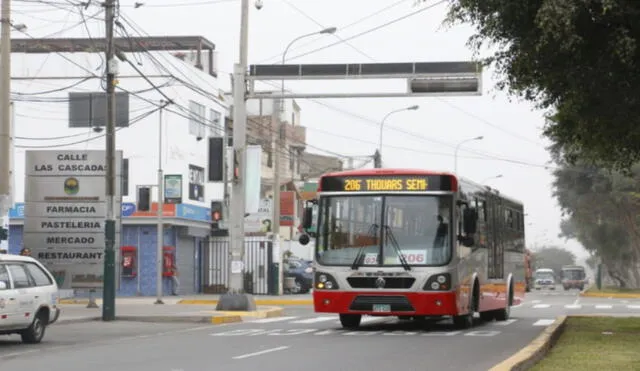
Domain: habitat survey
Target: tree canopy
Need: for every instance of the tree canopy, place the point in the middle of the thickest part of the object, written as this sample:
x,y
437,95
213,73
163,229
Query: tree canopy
x,y
602,211
578,59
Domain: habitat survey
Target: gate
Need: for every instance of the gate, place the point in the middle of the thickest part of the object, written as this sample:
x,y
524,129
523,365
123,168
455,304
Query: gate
x,y
258,260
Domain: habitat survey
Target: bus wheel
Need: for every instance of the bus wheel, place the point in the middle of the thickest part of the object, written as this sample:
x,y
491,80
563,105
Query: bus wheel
x,y
350,320
487,316
463,322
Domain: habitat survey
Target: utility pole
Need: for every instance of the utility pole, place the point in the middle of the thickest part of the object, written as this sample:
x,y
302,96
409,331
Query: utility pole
x,y
5,109
275,225
235,298
109,283
160,232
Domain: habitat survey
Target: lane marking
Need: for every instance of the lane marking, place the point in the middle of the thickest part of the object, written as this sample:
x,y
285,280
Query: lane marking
x,y
274,319
535,301
541,306
505,323
604,306
482,333
314,320
633,306
573,306
261,352
544,322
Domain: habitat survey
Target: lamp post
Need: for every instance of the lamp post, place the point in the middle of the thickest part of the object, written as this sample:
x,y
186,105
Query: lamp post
x,y
491,177
455,156
278,109
379,155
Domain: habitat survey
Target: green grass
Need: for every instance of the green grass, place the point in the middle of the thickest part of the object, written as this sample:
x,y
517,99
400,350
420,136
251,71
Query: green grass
x,y
587,345
613,289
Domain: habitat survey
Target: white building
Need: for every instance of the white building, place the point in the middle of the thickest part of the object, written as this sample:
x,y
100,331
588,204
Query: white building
x,y
59,103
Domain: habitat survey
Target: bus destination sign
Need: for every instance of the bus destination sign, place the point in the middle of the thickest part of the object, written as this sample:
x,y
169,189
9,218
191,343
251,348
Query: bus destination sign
x,y
386,183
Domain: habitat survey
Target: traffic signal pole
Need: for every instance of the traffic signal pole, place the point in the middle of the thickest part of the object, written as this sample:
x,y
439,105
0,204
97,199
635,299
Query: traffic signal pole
x,y
160,232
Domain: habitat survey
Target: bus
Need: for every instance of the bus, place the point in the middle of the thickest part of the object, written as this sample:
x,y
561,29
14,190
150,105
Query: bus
x,y
545,278
573,277
414,244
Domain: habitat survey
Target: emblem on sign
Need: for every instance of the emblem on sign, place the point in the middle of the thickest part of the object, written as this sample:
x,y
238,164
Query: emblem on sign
x,y
380,282
71,186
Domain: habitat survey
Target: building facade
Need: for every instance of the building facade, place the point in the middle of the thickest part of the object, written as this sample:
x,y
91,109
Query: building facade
x,y
59,104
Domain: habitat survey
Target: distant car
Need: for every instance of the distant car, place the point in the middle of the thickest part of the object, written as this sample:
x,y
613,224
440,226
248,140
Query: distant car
x,y
28,298
302,271
544,278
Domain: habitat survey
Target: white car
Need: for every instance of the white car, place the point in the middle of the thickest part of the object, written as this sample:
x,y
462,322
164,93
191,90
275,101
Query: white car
x,y
28,298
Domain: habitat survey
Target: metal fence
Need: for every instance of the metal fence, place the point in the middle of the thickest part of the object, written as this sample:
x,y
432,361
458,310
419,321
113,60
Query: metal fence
x,y
258,266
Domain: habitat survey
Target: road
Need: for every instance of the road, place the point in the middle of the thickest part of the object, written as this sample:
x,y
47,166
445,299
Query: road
x,y
299,340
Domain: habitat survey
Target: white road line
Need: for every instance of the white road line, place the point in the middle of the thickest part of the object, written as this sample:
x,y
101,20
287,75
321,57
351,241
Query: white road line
x,y
273,319
535,301
604,306
374,319
541,306
573,306
261,352
633,306
314,320
544,322
505,323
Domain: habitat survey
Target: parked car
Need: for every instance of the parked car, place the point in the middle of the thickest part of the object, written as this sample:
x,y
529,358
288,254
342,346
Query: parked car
x,y
28,298
302,271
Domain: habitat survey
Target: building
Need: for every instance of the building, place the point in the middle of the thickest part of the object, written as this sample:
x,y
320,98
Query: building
x,y
59,104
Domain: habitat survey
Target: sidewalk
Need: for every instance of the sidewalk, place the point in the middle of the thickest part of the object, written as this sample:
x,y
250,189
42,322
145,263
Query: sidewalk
x,y
267,300
143,310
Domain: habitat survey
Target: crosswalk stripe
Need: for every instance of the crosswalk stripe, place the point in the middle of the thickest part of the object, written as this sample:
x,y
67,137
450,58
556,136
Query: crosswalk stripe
x,y
273,319
573,306
633,306
505,323
314,320
541,306
604,306
544,322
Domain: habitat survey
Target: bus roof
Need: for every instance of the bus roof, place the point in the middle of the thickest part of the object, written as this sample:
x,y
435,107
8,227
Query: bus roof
x,y
573,267
544,270
386,172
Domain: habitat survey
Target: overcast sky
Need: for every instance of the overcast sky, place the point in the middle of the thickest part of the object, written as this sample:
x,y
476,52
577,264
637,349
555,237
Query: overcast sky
x,y
512,144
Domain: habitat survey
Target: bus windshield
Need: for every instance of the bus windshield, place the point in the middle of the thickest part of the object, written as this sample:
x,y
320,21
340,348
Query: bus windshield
x,y
573,274
383,226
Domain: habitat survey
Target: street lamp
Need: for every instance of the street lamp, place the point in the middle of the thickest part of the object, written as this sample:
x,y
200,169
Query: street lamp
x,y
491,177
455,156
411,108
278,134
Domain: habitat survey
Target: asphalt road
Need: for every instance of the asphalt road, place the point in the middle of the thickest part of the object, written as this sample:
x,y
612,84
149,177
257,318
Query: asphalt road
x,y
299,340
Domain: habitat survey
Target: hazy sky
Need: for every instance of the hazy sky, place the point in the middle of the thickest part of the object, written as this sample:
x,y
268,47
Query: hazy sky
x,y
512,144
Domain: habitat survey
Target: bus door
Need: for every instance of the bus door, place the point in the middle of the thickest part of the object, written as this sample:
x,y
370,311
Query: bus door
x,y
496,248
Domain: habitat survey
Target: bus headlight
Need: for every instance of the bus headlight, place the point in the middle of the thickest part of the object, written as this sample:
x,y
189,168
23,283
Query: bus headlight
x,y
438,282
324,281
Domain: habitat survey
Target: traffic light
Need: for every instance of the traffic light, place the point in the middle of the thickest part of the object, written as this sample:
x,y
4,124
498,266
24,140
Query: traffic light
x,y
217,210
217,215
4,234
144,199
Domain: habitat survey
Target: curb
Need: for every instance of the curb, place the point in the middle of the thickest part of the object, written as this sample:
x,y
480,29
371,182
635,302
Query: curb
x,y
258,302
230,317
614,295
528,356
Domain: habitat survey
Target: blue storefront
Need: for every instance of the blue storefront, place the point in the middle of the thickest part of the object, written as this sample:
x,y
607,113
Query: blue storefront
x,y
186,228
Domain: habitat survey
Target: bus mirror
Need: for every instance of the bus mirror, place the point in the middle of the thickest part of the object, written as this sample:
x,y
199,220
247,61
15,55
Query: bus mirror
x,y
304,239
307,218
469,220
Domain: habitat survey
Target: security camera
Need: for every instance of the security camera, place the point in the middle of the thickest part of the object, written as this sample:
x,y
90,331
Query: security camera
x,y
259,4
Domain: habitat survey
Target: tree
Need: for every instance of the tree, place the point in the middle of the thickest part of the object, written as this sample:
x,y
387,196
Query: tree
x,y
602,211
577,59
553,258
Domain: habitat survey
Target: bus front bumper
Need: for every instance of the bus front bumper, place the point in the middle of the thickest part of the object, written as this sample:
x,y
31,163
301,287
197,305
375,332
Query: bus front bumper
x,y
386,303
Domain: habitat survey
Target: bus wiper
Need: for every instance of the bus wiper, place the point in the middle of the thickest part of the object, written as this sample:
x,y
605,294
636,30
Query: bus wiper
x,y
371,232
396,247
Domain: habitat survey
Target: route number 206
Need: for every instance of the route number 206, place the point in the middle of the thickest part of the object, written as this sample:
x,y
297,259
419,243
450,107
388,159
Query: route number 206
x,y
414,258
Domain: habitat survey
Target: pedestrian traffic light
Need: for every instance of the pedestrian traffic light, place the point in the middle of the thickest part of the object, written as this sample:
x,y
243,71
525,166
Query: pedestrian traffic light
x,y
4,234
217,210
144,199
